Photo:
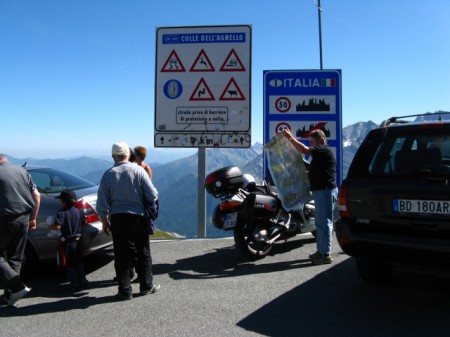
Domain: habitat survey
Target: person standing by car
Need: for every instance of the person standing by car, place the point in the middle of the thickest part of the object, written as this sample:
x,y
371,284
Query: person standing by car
x,y
70,220
120,205
140,153
322,179
19,205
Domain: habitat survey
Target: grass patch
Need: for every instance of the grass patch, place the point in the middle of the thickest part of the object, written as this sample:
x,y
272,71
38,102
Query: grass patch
x,y
159,234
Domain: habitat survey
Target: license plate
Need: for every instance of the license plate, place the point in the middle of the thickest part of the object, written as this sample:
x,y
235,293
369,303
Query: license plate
x,y
421,206
229,220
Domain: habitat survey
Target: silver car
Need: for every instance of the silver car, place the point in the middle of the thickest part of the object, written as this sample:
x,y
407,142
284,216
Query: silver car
x,y
42,245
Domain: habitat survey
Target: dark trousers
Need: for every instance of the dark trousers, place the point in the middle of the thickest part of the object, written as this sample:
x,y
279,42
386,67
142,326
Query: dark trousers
x,y
13,238
126,228
74,265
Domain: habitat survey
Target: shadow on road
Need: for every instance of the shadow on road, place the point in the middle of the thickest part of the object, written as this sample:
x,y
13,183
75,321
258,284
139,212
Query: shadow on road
x,y
229,262
337,303
65,304
52,282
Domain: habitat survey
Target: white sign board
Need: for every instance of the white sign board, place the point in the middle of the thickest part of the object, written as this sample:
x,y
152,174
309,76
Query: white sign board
x,y
202,89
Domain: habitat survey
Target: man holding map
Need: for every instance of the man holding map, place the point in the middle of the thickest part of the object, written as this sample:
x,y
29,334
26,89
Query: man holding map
x,y
322,178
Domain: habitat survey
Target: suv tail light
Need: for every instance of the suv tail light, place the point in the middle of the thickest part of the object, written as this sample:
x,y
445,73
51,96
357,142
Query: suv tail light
x,y
344,211
88,211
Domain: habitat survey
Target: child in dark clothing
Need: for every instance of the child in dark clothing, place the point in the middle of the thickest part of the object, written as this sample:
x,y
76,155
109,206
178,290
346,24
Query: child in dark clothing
x,y
70,220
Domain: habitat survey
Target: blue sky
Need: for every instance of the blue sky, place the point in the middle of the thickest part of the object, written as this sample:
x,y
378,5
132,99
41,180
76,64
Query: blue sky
x,y
77,76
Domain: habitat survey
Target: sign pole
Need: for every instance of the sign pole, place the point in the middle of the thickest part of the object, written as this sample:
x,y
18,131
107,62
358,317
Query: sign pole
x,y
319,9
201,208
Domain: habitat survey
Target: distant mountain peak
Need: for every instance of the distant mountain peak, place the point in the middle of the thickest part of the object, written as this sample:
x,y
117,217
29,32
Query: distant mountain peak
x,y
434,116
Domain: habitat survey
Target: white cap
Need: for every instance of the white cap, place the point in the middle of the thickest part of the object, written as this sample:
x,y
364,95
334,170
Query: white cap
x,y
120,149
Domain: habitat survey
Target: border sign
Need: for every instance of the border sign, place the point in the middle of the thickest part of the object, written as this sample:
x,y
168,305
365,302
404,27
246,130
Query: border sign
x,y
203,86
303,101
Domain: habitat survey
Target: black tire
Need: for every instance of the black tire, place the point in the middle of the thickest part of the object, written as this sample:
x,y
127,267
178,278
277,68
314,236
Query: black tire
x,y
373,271
245,243
31,265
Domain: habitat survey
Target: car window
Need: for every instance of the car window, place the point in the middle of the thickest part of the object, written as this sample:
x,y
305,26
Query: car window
x,y
400,155
52,181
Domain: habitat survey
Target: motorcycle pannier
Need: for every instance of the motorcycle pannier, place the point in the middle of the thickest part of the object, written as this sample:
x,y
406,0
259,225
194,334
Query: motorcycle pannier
x,y
224,181
266,206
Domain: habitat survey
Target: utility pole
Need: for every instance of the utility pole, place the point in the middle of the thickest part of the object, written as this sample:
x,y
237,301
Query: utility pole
x,y
319,10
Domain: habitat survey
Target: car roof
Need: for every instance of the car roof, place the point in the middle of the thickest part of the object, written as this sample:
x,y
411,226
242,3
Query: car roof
x,y
399,120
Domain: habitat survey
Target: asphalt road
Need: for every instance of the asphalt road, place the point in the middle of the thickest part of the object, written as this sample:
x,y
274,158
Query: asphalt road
x,y
208,289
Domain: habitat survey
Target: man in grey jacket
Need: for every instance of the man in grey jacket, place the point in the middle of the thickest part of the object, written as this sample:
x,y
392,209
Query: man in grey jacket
x,y
123,190
19,205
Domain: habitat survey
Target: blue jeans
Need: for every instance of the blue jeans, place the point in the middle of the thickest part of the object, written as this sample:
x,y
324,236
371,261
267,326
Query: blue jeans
x,y
324,201
13,238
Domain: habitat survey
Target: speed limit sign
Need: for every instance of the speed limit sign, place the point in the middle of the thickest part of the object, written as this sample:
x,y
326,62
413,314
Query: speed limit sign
x,y
283,104
281,126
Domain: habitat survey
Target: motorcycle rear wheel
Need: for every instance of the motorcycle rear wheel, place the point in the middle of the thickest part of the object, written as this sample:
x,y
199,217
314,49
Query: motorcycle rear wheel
x,y
247,245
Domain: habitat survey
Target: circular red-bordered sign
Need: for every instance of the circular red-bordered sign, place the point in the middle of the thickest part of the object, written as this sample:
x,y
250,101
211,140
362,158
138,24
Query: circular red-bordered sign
x,y
281,126
283,104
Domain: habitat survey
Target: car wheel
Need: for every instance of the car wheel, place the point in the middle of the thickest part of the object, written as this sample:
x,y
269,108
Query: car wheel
x,y
30,263
373,271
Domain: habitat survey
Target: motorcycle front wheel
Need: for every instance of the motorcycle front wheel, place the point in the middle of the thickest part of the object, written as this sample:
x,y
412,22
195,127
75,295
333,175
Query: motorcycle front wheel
x,y
246,244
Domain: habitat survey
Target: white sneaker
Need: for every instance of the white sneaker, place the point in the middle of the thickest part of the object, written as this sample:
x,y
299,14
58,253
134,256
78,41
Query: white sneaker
x,y
14,297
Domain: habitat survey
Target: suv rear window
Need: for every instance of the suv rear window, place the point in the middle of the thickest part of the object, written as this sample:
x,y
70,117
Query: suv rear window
x,y
407,152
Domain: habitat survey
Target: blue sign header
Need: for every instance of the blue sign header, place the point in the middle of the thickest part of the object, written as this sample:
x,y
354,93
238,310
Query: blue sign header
x,y
203,38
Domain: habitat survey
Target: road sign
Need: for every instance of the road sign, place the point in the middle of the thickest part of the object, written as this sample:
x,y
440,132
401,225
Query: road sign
x,y
303,101
202,140
202,86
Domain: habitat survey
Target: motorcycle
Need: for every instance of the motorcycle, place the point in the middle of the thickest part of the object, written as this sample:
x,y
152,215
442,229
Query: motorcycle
x,y
255,212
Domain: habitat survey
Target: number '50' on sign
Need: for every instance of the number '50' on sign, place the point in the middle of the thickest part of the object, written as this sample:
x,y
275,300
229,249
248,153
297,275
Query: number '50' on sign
x,y
283,104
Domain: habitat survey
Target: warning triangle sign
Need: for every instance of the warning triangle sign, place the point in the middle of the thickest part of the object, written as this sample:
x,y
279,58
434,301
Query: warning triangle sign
x,y
232,92
202,92
202,63
232,62
173,64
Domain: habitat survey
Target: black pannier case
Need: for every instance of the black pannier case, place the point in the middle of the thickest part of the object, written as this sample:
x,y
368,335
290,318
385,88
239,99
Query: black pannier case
x,y
224,181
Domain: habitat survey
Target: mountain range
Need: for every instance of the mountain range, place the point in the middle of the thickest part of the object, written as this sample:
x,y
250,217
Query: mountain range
x,y
177,180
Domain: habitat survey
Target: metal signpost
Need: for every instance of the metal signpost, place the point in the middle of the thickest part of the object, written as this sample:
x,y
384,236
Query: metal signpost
x,y
202,91
302,101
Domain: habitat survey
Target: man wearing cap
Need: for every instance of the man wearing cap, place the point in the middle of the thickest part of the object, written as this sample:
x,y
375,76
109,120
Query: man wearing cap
x,y
19,205
120,205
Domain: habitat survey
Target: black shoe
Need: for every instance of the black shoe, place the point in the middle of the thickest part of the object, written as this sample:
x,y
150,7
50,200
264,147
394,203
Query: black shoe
x,y
124,297
155,288
322,259
14,297
3,301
